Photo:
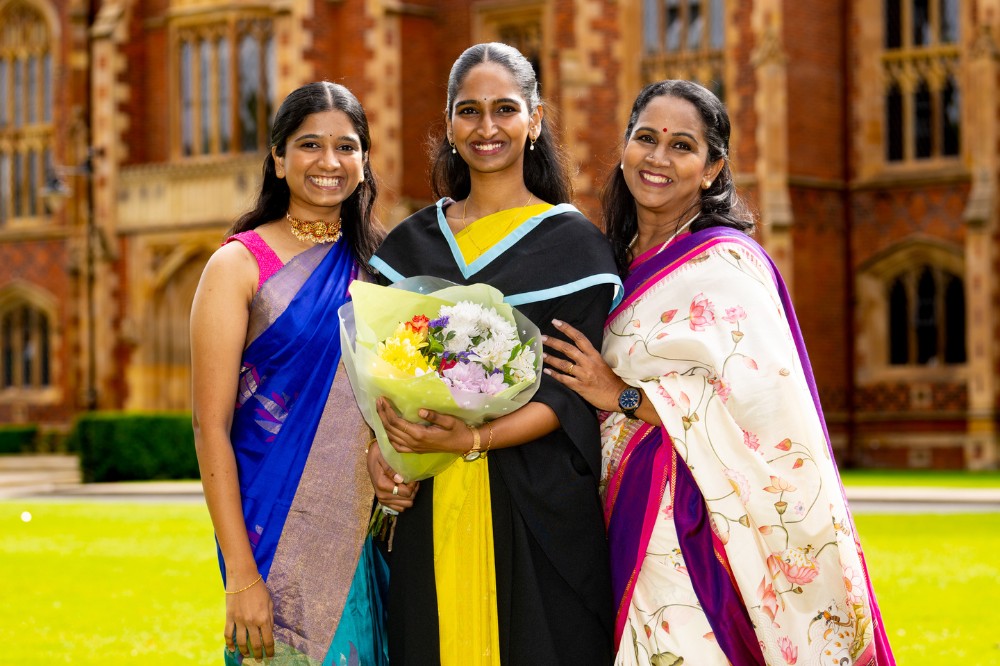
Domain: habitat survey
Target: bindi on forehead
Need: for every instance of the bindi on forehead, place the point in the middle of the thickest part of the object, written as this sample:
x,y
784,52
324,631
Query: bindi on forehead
x,y
664,130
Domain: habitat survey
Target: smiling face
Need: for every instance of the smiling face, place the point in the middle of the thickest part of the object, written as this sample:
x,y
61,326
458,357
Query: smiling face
x,y
323,164
490,121
665,161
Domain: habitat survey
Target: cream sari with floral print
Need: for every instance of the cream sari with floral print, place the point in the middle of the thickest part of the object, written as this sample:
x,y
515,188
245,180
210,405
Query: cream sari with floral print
x,y
707,331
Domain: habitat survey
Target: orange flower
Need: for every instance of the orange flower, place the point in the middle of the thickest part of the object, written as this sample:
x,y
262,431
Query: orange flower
x,y
779,485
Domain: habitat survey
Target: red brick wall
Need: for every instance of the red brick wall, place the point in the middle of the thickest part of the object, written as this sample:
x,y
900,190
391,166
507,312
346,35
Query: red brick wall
x,y
740,97
815,50
884,217
422,98
821,289
44,264
147,77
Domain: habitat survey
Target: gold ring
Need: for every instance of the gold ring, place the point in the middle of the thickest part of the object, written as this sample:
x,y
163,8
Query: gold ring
x,y
570,370
395,490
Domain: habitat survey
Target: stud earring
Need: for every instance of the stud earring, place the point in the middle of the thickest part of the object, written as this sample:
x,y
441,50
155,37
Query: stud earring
x,y
706,184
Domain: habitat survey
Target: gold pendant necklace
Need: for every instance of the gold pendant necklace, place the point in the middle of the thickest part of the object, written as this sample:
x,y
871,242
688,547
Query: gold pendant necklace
x,y
315,231
465,208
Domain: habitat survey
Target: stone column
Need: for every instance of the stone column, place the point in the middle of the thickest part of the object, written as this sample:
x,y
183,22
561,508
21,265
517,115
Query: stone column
x,y
107,152
982,134
771,105
383,101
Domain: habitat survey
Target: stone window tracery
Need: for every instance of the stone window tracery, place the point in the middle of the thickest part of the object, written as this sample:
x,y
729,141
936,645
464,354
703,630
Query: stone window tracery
x,y
926,317
25,347
226,79
26,93
920,63
684,39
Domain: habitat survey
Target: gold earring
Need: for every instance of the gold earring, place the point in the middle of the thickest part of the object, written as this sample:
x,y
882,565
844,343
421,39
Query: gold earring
x,y
452,144
706,184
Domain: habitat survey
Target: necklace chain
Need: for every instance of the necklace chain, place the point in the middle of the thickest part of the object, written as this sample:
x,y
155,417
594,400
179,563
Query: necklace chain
x,y
677,232
465,208
314,231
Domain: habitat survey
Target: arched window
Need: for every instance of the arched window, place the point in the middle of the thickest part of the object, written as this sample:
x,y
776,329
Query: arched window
x,y
226,78
926,311
25,346
25,109
684,39
920,61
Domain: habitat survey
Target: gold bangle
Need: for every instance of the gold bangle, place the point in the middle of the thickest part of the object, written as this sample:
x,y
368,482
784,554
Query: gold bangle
x,y
368,444
259,578
489,442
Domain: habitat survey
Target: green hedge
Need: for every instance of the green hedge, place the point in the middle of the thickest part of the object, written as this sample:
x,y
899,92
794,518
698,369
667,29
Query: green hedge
x,y
130,446
18,438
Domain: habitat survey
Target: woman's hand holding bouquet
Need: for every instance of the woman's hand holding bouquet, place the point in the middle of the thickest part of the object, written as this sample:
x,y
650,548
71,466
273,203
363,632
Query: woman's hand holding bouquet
x,y
447,357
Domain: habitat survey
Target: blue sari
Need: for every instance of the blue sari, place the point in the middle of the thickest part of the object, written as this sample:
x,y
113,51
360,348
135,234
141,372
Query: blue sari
x,y
299,443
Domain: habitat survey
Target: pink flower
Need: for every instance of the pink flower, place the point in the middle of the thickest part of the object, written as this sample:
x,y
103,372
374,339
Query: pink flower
x,y
854,584
789,652
668,512
795,564
739,483
779,485
768,599
733,315
750,440
722,388
702,313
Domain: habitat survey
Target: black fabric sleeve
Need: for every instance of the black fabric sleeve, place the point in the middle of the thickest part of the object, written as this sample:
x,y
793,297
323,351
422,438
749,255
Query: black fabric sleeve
x,y
586,311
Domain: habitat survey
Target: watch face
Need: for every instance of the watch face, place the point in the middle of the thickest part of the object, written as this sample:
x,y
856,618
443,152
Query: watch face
x,y
629,398
471,455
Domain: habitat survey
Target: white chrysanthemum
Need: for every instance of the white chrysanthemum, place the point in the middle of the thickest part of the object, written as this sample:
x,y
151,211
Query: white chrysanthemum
x,y
523,367
494,351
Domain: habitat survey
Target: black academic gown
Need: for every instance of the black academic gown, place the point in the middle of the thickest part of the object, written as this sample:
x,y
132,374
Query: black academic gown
x,y
553,582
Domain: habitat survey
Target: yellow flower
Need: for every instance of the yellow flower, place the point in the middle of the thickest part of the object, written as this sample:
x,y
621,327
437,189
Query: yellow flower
x,y
403,352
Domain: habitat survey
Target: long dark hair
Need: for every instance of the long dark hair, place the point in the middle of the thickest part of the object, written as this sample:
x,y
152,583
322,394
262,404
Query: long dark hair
x,y
359,228
720,203
546,168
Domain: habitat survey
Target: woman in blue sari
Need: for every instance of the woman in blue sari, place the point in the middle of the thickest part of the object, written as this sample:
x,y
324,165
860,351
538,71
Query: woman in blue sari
x,y
284,472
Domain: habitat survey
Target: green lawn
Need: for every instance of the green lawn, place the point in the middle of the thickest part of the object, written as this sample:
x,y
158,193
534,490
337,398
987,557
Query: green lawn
x,y
109,584
120,584
926,478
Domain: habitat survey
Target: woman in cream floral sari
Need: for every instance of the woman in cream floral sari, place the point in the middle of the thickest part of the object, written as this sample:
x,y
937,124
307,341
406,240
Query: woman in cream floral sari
x,y
731,540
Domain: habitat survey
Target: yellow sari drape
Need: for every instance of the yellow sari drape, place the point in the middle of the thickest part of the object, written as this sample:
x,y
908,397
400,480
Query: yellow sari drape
x,y
464,566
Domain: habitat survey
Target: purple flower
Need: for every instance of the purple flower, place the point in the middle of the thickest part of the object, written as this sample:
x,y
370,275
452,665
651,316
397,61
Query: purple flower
x,y
440,322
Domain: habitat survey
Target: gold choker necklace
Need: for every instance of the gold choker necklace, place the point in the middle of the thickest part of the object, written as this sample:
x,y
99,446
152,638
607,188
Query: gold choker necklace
x,y
315,231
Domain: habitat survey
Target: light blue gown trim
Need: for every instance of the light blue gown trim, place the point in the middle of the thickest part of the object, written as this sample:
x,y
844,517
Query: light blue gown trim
x,y
504,244
468,270
569,288
385,269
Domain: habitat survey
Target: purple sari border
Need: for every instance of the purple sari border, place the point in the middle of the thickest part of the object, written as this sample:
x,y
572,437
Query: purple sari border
x,y
677,254
644,277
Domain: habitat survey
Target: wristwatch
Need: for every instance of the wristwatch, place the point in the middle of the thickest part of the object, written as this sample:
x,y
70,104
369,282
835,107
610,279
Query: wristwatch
x,y
473,453
629,400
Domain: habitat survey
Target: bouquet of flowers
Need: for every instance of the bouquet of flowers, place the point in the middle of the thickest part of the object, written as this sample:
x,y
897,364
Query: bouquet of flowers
x,y
428,343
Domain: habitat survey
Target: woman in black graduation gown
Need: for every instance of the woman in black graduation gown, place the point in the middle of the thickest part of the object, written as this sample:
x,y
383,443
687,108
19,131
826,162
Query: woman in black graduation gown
x,y
503,559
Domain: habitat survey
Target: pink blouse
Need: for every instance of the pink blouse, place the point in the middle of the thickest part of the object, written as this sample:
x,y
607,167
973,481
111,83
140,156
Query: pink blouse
x,y
268,262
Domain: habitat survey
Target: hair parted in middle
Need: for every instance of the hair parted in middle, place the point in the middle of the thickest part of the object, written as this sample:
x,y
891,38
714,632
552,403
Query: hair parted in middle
x,y
361,230
546,168
719,205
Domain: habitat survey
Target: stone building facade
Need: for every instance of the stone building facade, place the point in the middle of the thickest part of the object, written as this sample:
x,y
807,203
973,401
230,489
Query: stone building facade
x,y
866,134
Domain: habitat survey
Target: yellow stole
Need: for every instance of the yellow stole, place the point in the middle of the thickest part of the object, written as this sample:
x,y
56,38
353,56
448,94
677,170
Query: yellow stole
x,y
464,566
